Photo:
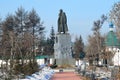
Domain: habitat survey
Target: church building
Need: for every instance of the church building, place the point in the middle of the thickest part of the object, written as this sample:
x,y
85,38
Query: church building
x,y
112,47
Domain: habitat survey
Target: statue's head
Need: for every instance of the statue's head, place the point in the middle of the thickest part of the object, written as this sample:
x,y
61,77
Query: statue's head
x,y
61,10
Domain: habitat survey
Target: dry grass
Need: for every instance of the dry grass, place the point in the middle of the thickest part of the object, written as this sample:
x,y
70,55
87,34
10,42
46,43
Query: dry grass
x,y
85,78
65,66
118,76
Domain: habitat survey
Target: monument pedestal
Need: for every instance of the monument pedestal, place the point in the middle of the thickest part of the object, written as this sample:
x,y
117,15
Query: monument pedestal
x,y
63,49
62,46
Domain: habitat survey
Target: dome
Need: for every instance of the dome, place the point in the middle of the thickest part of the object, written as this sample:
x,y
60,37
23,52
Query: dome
x,y
111,25
111,39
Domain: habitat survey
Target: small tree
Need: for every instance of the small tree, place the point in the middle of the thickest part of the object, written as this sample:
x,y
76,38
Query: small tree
x,y
51,41
78,48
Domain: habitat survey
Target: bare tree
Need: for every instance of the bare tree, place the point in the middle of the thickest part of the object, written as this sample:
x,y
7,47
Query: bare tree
x,y
91,49
96,40
115,16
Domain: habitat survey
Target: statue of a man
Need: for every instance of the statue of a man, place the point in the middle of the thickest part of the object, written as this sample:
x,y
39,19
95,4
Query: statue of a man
x,y
62,22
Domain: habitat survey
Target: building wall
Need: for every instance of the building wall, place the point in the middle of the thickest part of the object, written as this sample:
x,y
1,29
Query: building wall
x,y
115,58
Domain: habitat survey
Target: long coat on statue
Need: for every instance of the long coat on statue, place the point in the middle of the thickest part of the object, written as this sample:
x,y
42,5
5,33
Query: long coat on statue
x,y
62,22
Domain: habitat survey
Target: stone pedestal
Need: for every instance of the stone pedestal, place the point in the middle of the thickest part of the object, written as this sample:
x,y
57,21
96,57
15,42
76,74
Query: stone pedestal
x,y
62,49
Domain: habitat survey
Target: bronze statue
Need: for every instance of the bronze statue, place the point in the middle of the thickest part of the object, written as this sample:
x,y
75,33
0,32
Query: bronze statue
x,y
62,22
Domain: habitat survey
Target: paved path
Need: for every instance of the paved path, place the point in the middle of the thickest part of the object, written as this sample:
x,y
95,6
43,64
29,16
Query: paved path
x,y
66,76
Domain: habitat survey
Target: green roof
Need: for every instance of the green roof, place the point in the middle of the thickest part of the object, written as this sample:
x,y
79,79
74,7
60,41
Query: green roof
x,y
111,39
41,57
44,56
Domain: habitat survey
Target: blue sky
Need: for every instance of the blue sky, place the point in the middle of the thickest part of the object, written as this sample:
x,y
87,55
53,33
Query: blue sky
x,y
80,13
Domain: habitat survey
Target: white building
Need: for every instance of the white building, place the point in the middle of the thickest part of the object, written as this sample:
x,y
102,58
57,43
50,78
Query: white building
x,y
112,45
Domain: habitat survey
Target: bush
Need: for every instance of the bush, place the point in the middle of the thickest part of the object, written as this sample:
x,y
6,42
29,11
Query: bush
x,y
17,69
53,66
30,68
26,69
